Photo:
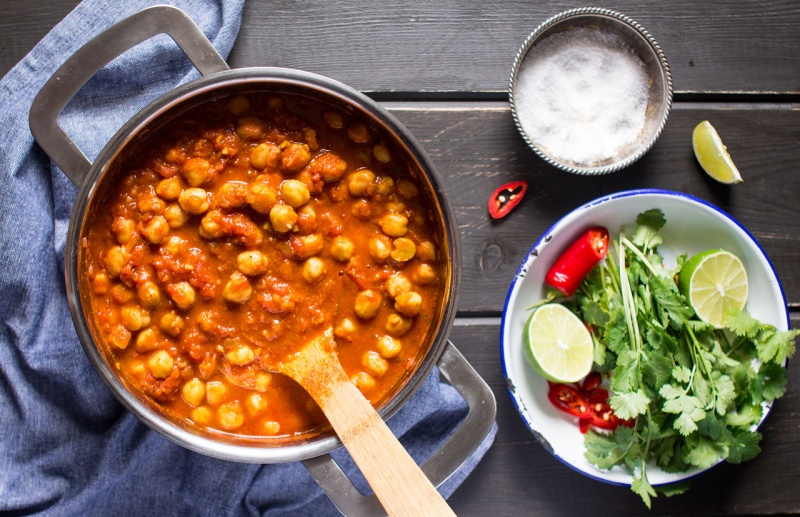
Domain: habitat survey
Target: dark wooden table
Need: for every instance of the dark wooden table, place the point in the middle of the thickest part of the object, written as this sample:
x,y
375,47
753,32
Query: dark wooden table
x,y
442,67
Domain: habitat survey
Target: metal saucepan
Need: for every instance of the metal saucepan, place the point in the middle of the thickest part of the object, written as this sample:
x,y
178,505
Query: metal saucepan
x,y
219,80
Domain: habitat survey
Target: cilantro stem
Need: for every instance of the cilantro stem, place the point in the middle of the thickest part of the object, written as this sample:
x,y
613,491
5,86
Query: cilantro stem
x,y
631,246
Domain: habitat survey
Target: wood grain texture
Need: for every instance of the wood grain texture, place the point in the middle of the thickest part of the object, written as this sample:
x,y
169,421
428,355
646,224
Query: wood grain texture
x,y
476,148
519,477
469,45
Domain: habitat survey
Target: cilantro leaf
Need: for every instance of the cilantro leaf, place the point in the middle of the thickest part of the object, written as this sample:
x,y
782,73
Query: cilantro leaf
x,y
641,486
770,381
743,447
674,488
629,405
670,301
742,324
649,223
705,453
775,345
681,374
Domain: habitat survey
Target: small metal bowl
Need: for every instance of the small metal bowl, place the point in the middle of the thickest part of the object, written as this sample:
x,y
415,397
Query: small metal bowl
x,y
658,76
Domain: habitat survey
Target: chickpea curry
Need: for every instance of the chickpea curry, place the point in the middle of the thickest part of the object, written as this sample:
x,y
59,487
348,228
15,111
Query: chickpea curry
x,y
245,228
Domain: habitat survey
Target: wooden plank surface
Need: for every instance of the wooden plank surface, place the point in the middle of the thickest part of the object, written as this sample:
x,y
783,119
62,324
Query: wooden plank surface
x,y
519,477
476,148
469,45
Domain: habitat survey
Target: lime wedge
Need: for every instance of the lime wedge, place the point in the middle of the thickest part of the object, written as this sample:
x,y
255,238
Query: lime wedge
x,y
713,155
557,344
714,282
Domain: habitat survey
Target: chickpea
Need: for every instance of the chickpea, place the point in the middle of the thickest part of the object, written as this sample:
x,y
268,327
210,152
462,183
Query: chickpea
x,y
362,209
183,294
374,363
137,369
426,251
425,274
230,415
263,381
381,153
249,128
194,391
261,196
359,181
404,250
329,166
255,404
169,188
306,219
100,283
397,207
149,203
148,293
333,119
134,318
389,347
252,263
408,304
394,225
160,364
119,337
216,392
238,289
295,193
295,157
397,325
313,270
282,218
275,103
146,340
367,303
116,258
383,186
241,355
358,133
342,248
173,245
307,245
363,381
407,188
271,427
175,216
397,284
121,294
210,228
124,229
194,200
156,230
380,248
265,155
195,170
201,415
346,329
231,194
171,324
238,105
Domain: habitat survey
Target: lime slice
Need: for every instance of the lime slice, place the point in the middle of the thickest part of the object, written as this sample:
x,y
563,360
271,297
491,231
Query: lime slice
x,y
713,155
557,344
714,282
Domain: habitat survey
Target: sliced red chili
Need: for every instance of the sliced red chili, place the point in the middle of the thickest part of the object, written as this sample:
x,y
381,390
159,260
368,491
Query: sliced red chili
x,y
588,402
505,198
574,264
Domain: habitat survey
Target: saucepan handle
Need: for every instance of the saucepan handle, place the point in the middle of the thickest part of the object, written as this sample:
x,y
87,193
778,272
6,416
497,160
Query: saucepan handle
x,y
443,463
97,53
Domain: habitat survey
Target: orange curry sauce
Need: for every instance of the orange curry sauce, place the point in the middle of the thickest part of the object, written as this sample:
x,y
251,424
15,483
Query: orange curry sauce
x,y
244,229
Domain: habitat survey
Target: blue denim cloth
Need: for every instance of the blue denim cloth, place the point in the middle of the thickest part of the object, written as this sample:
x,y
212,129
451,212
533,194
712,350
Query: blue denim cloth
x,y
67,447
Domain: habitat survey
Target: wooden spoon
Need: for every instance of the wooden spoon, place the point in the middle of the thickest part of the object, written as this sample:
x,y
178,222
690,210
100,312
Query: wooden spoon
x,y
397,481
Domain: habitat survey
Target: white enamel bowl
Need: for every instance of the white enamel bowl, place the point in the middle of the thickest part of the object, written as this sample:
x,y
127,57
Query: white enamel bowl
x,y
693,225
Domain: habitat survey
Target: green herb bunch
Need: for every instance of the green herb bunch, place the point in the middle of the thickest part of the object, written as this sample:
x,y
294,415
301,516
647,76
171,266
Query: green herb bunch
x,y
696,392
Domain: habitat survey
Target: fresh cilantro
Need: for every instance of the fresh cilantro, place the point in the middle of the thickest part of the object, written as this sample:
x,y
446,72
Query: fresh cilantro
x,y
695,392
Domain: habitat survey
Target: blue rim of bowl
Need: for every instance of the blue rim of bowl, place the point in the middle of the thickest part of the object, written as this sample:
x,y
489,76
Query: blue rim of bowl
x,y
523,50
518,276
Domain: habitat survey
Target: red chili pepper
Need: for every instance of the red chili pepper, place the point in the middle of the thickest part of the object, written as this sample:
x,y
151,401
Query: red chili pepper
x,y
505,198
587,402
575,263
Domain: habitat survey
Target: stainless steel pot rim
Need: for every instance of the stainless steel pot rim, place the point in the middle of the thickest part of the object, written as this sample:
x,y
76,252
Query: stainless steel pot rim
x,y
654,46
189,95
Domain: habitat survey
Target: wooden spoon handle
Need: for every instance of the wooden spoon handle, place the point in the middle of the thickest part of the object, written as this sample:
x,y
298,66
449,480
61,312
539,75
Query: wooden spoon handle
x,y
396,479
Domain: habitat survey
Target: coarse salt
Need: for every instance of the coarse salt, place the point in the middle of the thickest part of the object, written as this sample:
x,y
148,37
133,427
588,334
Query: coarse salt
x,y
581,95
